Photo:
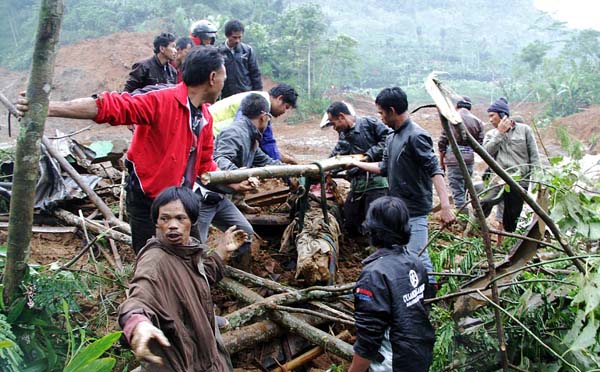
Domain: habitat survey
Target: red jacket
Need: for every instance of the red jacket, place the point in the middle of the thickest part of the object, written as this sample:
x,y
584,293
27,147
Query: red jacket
x,y
163,136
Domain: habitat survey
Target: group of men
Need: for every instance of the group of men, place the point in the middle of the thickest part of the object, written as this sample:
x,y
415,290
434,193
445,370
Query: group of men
x,y
181,132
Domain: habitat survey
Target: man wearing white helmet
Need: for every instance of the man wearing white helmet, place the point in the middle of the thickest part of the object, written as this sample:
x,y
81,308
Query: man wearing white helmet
x,y
203,32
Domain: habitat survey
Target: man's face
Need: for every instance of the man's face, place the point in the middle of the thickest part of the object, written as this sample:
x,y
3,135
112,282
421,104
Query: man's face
x,y
217,81
494,118
182,53
169,51
234,39
386,116
278,107
340,123
173,225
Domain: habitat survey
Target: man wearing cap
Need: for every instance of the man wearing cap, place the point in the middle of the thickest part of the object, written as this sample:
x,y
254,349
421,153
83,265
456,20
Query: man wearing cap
x,y
448,160
513,146
358,135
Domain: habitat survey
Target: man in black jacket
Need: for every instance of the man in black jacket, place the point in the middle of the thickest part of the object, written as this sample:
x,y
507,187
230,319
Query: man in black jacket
x,y
412,168
156,69
393,332
358,135
243,73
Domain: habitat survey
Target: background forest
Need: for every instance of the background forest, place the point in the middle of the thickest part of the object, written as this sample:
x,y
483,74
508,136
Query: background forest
x,y
488,48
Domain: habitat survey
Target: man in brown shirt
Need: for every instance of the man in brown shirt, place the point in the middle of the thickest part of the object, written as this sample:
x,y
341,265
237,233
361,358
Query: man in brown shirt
x,y
168,317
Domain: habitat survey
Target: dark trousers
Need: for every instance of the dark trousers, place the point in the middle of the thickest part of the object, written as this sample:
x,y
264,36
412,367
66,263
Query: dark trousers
x,y
356,207
513,206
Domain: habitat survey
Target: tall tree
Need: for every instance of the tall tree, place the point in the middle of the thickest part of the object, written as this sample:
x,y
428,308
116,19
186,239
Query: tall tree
x,y
28,147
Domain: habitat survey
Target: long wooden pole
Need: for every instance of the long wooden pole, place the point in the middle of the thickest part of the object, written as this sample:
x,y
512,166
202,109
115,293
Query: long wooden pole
x,y
275,171
27,157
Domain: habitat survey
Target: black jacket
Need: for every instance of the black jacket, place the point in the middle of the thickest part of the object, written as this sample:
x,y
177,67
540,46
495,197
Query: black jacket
x,y
409,163
389,294
150,72
367,136
243,73
237,147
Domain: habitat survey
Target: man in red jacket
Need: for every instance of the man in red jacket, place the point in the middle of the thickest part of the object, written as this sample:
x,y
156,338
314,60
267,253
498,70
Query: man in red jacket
x,y
173,141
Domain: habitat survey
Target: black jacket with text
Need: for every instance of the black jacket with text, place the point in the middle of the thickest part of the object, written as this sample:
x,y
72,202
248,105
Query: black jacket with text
x,y
243,73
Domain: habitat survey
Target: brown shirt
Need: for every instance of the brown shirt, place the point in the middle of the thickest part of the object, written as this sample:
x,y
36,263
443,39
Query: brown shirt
x,y
171,287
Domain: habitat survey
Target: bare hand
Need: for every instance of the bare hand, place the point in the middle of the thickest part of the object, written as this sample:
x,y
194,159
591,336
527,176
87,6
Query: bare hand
x,y
22,104
447,215
232,239
142,334
505,125
248,185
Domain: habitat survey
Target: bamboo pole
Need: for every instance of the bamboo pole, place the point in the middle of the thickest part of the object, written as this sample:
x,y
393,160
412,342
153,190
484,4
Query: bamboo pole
x,y
447,108
276,171
73,220
27,155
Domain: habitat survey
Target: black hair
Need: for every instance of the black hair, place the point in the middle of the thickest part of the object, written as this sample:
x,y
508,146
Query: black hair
x,y
233,26
163,40
183,42
253,105
199,63
387,222
392,97
288,94
337,108
190,202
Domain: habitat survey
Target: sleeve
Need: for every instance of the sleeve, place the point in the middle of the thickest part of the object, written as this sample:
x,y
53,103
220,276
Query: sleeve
x,y
493,140
227,146
261,159
269,145
443,142
338,149
383,164
137,77
532,150
380,133
124,109
480,133
423,146
254,71
372,311
214,268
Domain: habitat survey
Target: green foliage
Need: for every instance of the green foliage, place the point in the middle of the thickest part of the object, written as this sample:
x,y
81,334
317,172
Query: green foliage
x,y
88,359
11,355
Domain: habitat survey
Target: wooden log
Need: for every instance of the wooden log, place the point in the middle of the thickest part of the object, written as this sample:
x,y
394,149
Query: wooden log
x,y
253,334
249,278
73,220
277,171
267,198
272,219
290,322
104,209
309,355
47,229
258,308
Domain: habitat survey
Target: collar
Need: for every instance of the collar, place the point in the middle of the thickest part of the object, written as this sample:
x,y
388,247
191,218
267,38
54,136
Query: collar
x,y
254,133
407,123
383,252
158,62
182,251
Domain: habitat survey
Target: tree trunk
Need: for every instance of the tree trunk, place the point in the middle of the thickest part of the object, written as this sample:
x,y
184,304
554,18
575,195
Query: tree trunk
x,y
274,171
28,146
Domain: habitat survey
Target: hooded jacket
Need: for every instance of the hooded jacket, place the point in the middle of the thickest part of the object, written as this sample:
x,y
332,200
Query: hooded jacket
x,y
171,289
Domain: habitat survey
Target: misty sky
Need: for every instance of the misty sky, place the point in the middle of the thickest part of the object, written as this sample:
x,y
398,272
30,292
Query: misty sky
x,y
577,13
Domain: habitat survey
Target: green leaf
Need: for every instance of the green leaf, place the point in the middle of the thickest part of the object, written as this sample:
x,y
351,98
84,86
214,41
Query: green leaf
x,y
554,160
6,344
92,352
101,365
587,337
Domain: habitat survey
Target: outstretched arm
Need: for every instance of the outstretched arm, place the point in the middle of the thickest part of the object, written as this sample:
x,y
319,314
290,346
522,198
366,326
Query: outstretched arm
x,y
80,108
